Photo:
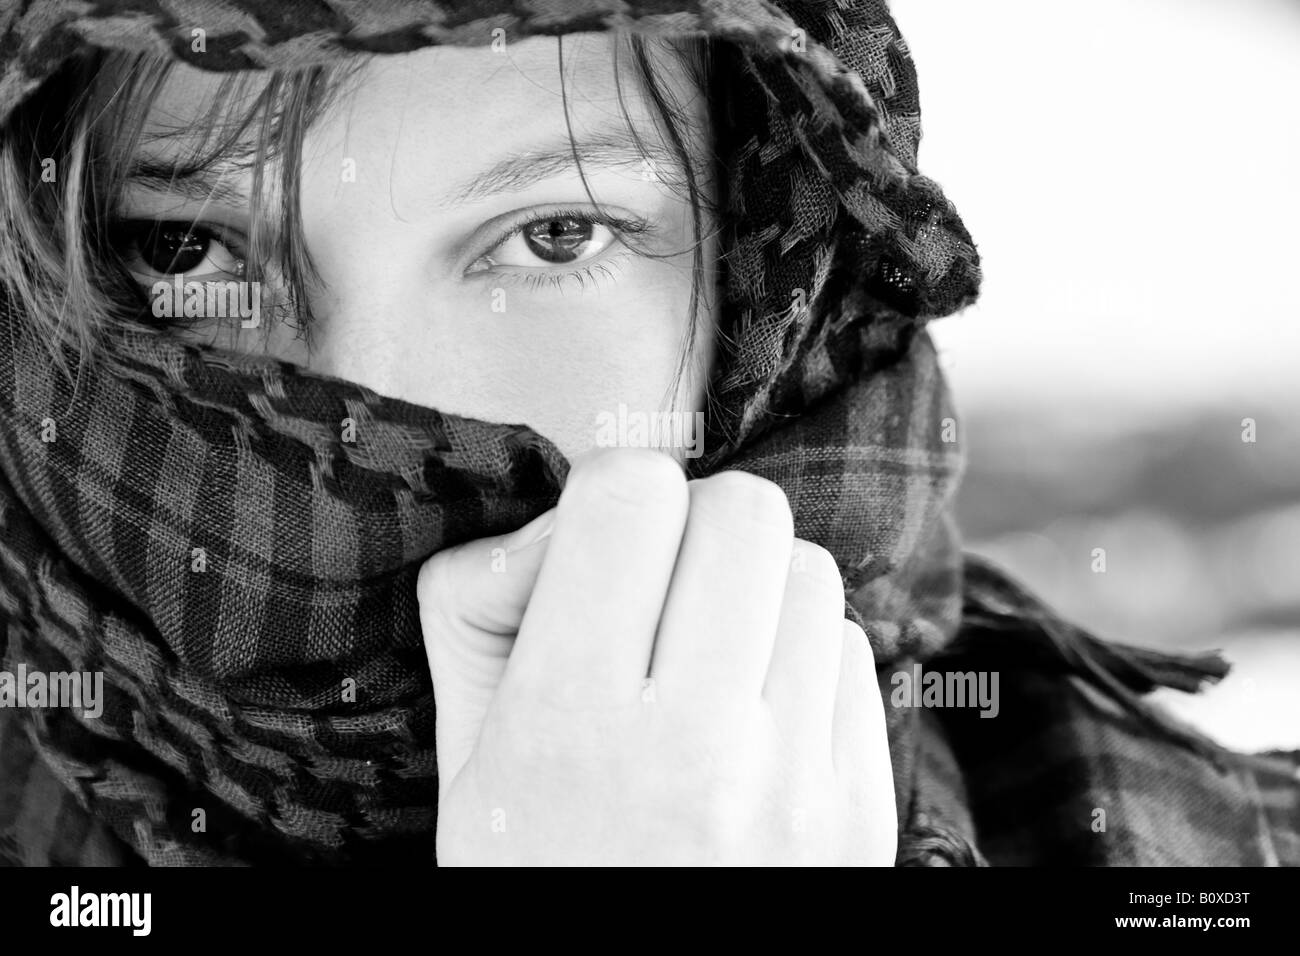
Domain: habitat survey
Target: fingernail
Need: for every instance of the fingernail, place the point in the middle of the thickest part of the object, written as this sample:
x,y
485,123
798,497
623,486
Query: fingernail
x,y
539,529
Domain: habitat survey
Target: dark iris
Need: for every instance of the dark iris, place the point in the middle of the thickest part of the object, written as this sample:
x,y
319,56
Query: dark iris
x,y
557,240
169,248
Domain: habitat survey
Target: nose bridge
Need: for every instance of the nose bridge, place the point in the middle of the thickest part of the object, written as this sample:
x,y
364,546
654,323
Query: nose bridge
x,y
341,348
372,289
376,270
362,328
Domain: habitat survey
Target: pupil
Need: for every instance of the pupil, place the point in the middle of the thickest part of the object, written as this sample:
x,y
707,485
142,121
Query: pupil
x,y
557,240
174,250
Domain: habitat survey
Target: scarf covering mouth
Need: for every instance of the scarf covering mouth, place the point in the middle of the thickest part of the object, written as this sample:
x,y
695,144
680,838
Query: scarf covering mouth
x,y
224,676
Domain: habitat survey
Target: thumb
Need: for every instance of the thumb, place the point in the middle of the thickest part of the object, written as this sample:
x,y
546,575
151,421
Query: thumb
x,y
472,599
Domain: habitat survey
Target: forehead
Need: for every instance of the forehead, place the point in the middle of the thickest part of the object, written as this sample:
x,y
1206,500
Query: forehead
x,y
472,99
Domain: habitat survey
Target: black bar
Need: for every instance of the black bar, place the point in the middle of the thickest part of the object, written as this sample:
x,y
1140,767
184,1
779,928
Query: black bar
x,y
861,909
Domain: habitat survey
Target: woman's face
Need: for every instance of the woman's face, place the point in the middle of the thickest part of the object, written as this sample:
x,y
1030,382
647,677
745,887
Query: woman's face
x,y
462,262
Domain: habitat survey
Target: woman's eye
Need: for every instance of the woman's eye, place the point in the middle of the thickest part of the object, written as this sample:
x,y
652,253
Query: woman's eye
x,y
554,240
559,240
154,249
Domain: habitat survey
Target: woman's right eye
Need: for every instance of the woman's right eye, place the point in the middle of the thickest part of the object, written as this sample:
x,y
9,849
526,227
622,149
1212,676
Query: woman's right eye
x,y
153,249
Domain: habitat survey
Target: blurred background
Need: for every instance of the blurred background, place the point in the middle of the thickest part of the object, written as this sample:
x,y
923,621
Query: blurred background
x,y
1130,379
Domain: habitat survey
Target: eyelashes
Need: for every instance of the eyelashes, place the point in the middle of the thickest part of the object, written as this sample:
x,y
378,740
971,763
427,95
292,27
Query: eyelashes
x,y
549,253
604,271
562,229
152,249
533,248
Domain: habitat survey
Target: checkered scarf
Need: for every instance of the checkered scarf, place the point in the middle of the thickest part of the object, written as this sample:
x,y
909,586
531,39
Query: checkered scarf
x,y
201,527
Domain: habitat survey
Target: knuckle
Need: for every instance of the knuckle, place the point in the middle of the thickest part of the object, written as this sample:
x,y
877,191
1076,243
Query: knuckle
x,y
859,645
433,581
738,495
631,476
818,564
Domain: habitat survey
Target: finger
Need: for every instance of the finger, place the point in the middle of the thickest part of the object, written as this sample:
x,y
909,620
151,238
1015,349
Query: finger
x,y
590,625
472,600
803,676
720,619
486,583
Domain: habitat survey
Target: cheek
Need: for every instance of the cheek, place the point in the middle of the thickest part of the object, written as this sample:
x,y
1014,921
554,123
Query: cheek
x,y
554,359
557,366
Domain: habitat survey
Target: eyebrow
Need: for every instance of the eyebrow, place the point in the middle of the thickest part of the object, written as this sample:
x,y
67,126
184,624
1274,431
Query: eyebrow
x,y
198,184
515,173
518,172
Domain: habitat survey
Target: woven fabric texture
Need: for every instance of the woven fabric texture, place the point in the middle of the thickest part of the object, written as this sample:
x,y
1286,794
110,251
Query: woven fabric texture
x,y
223,684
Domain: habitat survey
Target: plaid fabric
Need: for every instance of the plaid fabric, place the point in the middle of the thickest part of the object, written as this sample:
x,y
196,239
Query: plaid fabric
x,y
223,684
1078,769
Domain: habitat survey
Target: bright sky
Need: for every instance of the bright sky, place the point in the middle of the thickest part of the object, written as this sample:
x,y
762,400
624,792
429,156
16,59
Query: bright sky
x,y
1130,170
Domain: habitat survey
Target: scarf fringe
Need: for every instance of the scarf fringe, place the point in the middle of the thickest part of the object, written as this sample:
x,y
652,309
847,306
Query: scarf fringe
x,y
1001,618
927,845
